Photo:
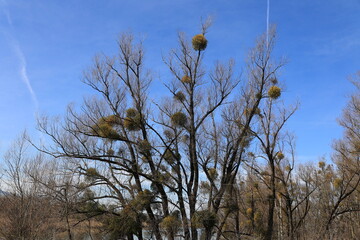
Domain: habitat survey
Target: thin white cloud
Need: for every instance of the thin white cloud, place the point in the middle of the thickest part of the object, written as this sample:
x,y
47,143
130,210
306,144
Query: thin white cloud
x,y
339,46
23,73
22,60
5,11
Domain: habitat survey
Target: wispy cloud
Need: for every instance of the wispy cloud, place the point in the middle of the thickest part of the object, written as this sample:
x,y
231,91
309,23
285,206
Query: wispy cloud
x,y
24,74
339,45
21,57
6,11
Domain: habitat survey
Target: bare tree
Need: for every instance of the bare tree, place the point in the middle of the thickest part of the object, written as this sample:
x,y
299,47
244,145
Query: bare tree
x,y
150,159
25,211
347,160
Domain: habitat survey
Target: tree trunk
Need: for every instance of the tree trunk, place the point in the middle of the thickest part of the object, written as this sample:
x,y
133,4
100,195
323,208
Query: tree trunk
x,y
270,223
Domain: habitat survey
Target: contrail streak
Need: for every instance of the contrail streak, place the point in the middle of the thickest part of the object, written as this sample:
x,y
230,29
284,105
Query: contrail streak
x,y
267,22
24,75
20,55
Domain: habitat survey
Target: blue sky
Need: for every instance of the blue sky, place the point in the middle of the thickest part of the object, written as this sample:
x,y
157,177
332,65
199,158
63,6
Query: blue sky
x,y
45,46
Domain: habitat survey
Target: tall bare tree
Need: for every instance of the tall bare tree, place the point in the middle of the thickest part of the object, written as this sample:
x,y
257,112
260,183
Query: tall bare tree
x,y
150,159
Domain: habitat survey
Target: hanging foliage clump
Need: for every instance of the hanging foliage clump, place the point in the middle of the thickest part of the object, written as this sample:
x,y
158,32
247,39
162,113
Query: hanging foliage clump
x,y
274,80
171,156
179,119
91,174
280,155
248,111
274,92
132,122
171,224
199,42
111,120
186,79
205,218
212,173
180,96
105,130
144,147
